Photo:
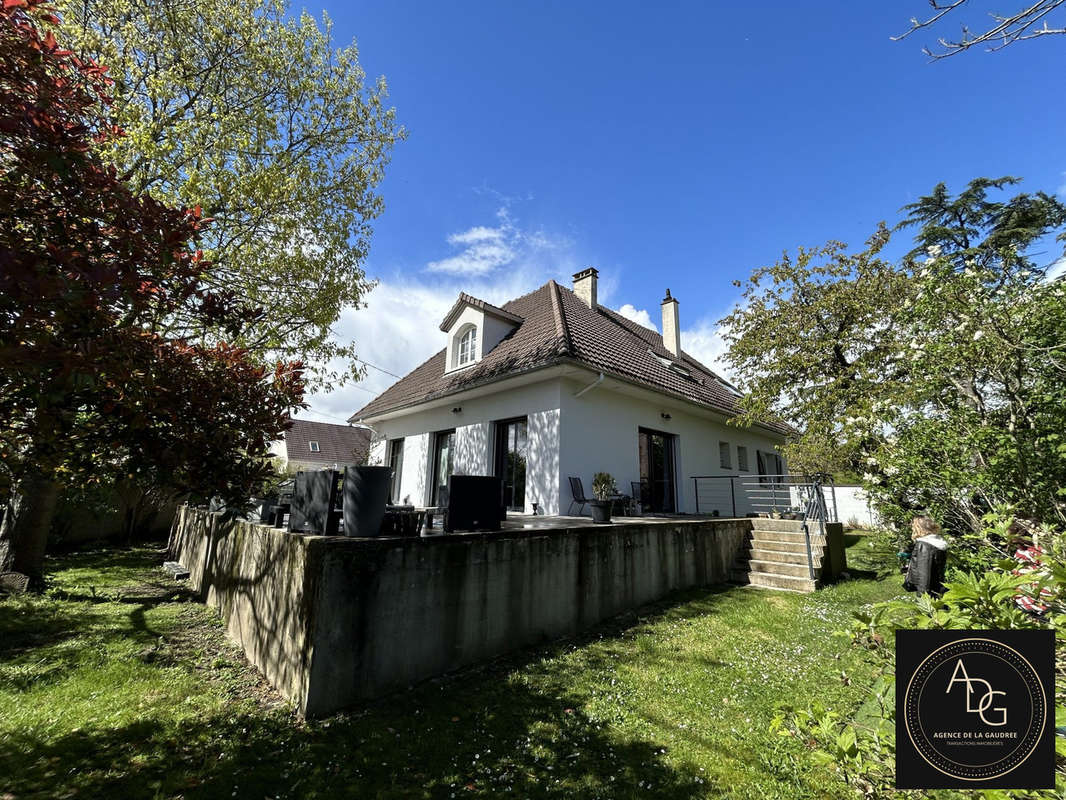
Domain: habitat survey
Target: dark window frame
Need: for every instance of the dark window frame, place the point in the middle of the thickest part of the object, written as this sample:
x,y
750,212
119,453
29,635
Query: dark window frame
x,y
394,455
435,498
742,459
500,451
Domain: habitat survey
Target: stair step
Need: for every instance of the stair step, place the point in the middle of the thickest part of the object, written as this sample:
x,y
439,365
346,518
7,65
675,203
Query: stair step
x,y
765,524
780,568
799,546
786,556
788,537
766,581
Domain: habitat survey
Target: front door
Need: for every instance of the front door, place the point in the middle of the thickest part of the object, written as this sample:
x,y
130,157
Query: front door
x,y
657,469
443,458
511,452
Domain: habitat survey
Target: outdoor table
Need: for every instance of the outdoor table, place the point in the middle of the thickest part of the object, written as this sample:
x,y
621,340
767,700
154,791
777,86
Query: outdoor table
x,y
401,521
427,513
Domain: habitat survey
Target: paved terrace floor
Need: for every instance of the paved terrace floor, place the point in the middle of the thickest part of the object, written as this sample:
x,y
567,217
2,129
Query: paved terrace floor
x,y
518,522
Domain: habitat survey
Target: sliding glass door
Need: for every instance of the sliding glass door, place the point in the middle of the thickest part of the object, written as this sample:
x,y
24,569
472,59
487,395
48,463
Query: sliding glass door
x,y
657,470
396,462
443,459
512,446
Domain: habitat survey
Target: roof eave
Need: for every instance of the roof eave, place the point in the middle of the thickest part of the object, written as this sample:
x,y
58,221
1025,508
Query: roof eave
x,y
474,302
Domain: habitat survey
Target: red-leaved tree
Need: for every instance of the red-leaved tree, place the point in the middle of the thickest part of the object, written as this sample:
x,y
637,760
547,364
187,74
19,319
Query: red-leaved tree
x,y
90,274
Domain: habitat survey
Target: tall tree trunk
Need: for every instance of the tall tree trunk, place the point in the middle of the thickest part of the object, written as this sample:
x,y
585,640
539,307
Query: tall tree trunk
x,y
24,534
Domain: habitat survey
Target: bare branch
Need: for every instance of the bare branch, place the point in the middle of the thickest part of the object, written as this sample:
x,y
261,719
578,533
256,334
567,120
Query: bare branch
x,y
1027,23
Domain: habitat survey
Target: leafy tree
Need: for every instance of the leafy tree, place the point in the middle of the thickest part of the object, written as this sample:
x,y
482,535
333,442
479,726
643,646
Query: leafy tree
x,y
812,340
255,117
91,380
942,380
1002,29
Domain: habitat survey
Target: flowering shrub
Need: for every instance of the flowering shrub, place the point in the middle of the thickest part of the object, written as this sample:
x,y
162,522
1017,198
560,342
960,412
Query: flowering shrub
x,y
1015,594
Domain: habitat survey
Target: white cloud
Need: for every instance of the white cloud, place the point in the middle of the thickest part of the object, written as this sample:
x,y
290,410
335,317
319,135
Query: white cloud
x,y
479,233
638,315
488,248
398,328
480,258
706,344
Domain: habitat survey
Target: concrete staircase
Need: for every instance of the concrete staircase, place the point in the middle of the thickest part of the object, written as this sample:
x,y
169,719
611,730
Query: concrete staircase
x,y
776,556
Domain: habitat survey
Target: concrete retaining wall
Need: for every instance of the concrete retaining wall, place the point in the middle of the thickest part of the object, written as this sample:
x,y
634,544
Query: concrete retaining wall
x,y
331,621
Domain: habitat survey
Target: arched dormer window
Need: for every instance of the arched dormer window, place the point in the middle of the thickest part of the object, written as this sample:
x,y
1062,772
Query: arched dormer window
x,y
466,346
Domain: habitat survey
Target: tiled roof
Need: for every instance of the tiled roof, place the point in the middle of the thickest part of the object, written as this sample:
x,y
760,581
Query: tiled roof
x,y
337,444
559,327
468,300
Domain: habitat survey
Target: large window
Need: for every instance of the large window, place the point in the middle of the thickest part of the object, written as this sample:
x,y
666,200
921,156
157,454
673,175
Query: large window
x,y
396,462
512,444
770,466
656,451
443,458
467,351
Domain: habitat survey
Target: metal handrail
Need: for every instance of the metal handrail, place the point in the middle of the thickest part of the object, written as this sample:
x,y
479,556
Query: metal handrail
x,y
776,492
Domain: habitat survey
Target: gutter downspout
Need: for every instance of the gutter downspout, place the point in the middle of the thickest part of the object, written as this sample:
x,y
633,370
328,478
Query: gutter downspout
x,y
592,385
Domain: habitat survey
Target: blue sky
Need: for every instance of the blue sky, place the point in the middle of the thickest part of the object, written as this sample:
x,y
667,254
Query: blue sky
x,y
671,145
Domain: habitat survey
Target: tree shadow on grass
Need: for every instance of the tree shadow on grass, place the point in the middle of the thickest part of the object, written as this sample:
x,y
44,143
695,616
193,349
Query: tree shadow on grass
x,y
493,738
512,726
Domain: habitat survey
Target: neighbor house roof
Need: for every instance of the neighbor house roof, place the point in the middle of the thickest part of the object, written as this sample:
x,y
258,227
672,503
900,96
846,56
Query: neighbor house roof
x,y
337,444
558,327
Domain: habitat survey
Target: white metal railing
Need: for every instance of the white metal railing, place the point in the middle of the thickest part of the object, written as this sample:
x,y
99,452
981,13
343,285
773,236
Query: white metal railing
x,y
811,499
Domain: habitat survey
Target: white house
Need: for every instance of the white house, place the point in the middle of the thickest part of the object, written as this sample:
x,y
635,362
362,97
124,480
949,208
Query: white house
x,y
554,385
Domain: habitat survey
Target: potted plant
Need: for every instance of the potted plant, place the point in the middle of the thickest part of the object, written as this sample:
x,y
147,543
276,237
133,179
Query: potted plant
x,y
603,487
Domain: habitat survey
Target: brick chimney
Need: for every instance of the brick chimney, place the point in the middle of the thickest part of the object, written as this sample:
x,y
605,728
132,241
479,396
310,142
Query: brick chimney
x,y
585,286
671,326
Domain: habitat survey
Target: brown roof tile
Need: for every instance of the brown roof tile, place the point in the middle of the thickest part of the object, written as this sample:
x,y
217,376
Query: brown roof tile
x,y
469,300
558,326
337,444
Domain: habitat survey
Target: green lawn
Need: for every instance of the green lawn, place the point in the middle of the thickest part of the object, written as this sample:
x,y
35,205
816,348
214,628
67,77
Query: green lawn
x,y
116,684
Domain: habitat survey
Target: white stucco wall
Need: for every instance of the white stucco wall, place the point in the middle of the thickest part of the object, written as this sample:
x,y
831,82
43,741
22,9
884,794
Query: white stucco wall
x,y
853,505
378,451
599,432
571,435
544,462
474,444
468,316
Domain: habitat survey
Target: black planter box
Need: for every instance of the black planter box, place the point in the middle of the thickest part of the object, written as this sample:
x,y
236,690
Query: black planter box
x,y
473,503
365,495
313,498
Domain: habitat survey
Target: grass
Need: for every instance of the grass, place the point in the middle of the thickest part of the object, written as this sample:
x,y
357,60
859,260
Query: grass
x,y
116,683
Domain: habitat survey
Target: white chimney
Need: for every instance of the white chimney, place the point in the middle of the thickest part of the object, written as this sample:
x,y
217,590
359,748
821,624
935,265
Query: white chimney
x,y
671,326
585,286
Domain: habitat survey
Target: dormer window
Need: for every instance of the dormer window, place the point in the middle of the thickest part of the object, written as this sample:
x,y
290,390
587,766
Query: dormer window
x,y
474,328
467,346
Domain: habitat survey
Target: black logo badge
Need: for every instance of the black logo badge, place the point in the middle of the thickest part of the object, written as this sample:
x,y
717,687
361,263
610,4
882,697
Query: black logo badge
x,y
974,710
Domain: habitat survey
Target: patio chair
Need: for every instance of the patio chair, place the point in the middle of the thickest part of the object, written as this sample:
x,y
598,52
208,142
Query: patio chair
x,y
640,495
578,491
